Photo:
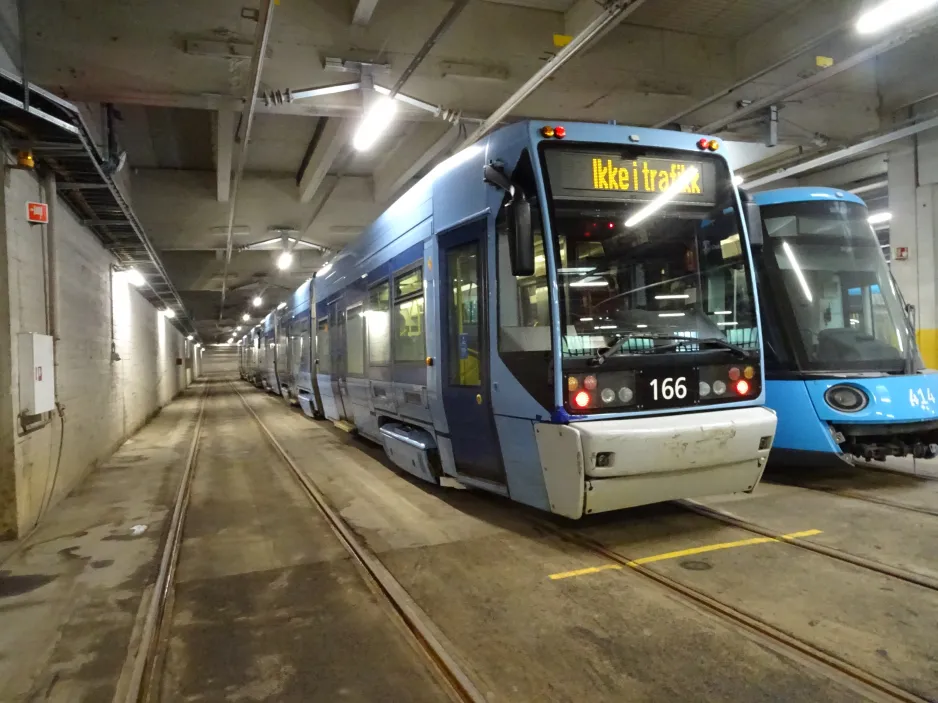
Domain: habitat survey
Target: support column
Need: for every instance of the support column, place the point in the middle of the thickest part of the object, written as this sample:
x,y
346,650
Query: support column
x,y
913,197
8,509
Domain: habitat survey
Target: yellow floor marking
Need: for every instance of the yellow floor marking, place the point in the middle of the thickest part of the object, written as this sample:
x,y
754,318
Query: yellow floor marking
x,y
582,572
685,553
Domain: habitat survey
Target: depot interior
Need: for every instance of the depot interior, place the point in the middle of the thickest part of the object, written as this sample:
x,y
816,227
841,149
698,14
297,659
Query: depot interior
x,y
209,159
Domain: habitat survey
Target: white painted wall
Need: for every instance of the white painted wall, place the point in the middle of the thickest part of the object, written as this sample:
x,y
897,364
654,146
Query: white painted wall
x,y
104,400
9,36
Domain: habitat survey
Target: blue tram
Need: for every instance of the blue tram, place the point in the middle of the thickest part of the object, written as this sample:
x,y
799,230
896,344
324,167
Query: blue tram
x,y
564,315
842,366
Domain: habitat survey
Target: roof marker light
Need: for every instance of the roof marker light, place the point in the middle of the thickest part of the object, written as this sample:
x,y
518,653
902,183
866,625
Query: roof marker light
x,y
703,143
547,132
560,132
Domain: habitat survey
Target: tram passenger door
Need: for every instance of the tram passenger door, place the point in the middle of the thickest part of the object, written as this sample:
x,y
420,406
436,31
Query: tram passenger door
x,y
337,343
465,334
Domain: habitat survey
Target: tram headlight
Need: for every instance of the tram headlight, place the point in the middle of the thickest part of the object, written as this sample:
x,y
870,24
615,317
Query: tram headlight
x,y
607,390
719,387
626,394
846,399
704,389
608,395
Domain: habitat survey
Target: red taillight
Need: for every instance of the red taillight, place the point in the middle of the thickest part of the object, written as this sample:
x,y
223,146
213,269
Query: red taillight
x,y
734,374
742,387
560,132
589,383
581,399
703,144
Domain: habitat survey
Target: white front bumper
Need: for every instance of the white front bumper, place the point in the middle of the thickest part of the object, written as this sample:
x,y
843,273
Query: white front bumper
x,y
608,464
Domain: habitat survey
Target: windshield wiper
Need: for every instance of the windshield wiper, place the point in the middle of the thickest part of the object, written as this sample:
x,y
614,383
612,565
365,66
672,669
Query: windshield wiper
x,y
679,341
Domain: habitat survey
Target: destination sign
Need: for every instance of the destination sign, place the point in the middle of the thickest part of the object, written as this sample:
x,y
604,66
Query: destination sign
x,y
607,176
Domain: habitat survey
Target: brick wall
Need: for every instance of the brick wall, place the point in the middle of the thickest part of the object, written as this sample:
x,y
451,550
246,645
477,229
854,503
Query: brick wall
x,y
104,399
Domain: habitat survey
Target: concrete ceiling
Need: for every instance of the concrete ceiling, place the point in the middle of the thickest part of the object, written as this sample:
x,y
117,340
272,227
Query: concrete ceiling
x,y
177,71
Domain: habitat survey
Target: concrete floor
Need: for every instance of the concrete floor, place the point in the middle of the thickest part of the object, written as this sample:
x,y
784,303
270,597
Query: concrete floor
x,y
269,607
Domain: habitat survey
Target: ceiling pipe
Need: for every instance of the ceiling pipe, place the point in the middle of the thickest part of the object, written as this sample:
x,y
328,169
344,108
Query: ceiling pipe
x,y
615,12
860,57
794,54
247,120
870,187
845,153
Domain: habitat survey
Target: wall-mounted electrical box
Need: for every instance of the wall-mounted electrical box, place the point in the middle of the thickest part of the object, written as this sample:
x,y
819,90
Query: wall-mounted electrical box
x,y
37,374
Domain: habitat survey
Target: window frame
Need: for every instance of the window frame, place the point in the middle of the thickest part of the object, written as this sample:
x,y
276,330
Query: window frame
x,y
396,301
356,308
319,356
386,363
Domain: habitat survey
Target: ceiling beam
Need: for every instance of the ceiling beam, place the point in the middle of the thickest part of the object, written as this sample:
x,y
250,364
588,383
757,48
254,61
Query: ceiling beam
x,y
224,148
332,138
364,9
393,175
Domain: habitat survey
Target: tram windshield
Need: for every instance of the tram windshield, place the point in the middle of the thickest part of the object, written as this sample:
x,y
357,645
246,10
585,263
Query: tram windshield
x,y
839,303
650,248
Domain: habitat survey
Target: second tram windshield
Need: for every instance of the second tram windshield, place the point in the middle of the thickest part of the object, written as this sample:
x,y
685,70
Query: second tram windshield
x,y
664,257
833,288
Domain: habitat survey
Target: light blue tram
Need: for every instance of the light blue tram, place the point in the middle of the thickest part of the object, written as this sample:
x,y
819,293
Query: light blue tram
x,y
842,366
564,315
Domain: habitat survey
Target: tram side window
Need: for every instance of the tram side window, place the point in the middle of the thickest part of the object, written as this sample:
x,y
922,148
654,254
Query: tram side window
x,y
378,325
409,340
355,342
323,352
462,264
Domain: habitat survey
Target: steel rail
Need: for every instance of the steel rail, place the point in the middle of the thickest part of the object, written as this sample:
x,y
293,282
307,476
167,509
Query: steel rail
x,y
868,684
428,638
840,555
854,495
136,687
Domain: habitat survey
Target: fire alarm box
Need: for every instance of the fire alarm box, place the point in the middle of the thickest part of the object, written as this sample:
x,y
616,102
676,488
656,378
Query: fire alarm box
x,y
37,374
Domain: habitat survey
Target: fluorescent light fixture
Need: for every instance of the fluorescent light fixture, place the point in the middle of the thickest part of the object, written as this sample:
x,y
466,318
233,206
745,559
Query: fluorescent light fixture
x,y
578,269
878,218
670,314
586,319
641,327
245,317
891,12
738,181
722,312
539,259
727,324
134,277
798,272
285,261
197,345
606,327
377,119
282,305
258,301
672,297
190,337
667,196
170,313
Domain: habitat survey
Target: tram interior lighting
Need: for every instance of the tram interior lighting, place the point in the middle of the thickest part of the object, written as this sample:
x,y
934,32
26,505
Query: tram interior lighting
x,y
878,218
134,277
667,196
891,12
377,119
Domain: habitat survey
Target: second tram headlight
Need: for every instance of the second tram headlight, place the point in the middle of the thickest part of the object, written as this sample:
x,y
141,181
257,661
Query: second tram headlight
x,y
846,399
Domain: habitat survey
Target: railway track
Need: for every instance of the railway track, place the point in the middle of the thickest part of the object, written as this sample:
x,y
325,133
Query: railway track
x,y
867,684
856,495
140,684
